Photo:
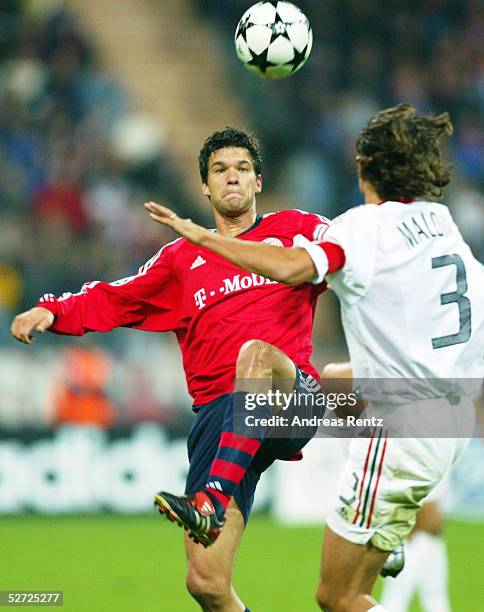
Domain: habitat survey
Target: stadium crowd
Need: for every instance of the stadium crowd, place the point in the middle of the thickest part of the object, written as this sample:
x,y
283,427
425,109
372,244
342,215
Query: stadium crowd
x,y
71,187
70,183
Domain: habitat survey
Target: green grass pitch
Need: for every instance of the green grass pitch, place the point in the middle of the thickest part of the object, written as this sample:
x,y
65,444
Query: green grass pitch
x,y
137,563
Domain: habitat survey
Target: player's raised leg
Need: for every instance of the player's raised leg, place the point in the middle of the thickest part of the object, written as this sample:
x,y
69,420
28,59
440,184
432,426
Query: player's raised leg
x,y
259,366
209,575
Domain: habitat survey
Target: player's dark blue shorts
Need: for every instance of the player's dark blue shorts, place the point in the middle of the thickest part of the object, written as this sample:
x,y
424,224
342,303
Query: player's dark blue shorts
x,y
204,439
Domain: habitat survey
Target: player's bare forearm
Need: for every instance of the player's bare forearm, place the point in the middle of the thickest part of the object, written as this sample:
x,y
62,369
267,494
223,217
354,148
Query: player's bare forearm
x,y
290,266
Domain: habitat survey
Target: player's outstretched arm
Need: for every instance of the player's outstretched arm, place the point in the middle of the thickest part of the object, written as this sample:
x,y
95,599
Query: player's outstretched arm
x,y
36,319
291,266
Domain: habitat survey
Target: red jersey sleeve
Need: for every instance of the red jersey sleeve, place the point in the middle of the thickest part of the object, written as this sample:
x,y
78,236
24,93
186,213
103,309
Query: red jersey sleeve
x,y
327,257
335,255
147,301
313,227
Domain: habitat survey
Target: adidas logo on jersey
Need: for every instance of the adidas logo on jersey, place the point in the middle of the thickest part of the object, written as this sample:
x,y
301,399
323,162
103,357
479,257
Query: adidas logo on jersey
x,y
199,261
214,484
48,297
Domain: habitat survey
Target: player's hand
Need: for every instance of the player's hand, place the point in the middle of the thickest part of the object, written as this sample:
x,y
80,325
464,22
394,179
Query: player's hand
x,y
36,319
191,231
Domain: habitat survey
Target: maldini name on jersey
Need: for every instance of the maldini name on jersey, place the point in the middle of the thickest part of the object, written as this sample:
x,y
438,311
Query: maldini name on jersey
x,y
212,305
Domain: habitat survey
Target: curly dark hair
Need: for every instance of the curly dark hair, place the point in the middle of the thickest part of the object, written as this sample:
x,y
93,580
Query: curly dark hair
x,y
230,137
401,155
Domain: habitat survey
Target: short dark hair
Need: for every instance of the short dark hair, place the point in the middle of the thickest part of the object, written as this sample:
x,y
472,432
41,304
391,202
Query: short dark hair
x,y
401,154
229,137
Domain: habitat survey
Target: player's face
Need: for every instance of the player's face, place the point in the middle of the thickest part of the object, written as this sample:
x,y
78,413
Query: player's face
x,y
232,182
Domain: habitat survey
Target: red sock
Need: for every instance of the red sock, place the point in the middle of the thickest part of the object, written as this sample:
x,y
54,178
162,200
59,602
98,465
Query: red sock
x,y
233,458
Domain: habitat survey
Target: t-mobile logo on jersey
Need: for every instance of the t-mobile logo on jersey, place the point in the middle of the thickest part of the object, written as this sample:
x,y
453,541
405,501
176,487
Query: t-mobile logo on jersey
x,y
236,283
200,298
231,285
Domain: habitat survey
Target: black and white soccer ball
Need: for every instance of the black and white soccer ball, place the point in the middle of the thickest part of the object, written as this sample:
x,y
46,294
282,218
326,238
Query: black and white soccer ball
x,y
273,39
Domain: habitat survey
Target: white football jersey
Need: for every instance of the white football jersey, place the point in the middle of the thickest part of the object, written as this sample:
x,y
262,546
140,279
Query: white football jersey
x,y
411,293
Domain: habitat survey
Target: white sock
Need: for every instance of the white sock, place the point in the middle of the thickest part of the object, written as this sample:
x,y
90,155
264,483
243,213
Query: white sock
x,y
378,608
433,587
398,592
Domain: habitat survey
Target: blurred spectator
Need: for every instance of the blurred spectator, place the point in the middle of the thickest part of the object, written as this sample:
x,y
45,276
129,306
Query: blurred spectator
x,y
10,287
61,198
80,396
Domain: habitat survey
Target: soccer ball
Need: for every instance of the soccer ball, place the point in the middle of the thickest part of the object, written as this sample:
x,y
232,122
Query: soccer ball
x,y
273,39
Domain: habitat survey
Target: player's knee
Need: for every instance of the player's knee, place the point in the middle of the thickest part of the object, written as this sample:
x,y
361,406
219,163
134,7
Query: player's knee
x,y
253,354
254,347
330,600
208,591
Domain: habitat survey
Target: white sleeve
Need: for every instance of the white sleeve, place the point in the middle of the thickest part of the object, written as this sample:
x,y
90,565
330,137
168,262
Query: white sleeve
x,y
356,231
317,254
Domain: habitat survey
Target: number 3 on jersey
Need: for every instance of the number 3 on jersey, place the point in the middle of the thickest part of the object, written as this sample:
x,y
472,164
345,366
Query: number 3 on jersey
x,y
458,296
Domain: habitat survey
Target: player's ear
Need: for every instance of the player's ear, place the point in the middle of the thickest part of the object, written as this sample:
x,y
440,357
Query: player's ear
x,y
205,190
258,183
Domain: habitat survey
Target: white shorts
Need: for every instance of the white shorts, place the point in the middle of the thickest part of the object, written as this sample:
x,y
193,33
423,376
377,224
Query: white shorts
x,y
384,483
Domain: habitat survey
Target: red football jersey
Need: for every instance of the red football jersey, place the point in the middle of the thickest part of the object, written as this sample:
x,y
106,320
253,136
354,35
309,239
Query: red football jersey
x,y
212,305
